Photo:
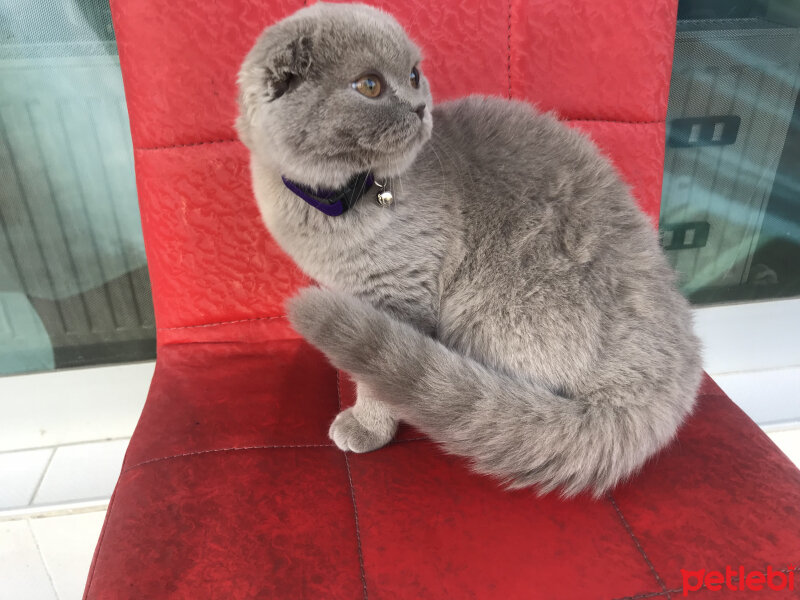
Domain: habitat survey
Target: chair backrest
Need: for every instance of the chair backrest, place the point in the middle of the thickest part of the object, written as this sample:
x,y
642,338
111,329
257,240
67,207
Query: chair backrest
x,y
602,66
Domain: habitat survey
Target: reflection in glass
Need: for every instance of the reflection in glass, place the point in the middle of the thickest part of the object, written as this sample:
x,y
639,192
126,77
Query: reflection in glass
x,y
74,288
730,216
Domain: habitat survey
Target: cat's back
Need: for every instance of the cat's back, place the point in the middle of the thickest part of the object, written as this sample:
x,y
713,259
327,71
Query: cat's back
x,y
527,181
512,162
514,140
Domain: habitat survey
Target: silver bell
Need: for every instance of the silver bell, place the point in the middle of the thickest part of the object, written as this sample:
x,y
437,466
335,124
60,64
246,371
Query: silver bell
x,y
385,198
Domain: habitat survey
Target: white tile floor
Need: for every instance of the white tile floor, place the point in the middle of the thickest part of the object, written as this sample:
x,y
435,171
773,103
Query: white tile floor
x,y
788,440
47,558
21,472
67,479
63,437
52,506
72,406
22,569
37,480
51,511
68,564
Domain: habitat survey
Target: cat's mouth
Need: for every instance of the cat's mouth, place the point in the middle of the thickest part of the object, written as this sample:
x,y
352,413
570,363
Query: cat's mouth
x,y
386,153
397,142
393,156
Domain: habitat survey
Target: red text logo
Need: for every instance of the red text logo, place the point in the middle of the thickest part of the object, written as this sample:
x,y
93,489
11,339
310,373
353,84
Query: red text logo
x,y
738,580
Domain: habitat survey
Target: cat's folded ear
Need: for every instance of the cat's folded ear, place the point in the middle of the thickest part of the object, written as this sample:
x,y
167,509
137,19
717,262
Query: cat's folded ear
x,y
280,60
287,65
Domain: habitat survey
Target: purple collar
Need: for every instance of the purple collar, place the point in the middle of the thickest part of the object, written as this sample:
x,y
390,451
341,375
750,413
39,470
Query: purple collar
x,y
333,202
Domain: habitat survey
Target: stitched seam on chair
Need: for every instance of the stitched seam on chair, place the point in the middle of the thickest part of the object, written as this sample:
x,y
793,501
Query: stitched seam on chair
x,y
99,546
204,143
650,595
353,498
242,448
218,450
508,64
220,323
656,122
358,532
639,546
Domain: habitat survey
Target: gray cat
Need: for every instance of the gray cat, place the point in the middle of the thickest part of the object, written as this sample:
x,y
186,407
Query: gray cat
x,y
511,301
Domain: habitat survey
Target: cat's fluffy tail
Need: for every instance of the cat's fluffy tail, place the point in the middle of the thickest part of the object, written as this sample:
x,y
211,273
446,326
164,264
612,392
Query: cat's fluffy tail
x,y
516,430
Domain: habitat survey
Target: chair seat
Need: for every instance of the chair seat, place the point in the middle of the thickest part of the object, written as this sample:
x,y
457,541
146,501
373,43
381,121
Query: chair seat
x,y
231,489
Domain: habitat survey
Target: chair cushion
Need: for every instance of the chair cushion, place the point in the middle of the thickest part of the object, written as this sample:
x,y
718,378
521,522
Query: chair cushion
x,y
231,489
601,67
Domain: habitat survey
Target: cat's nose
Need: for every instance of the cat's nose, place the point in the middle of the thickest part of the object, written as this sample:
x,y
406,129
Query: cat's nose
x,y
420,110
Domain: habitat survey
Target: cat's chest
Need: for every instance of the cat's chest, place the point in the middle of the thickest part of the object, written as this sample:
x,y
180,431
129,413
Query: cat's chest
x,y
391,256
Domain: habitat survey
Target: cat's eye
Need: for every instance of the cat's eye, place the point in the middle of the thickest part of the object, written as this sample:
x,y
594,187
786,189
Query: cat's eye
x,y
414,77
369,86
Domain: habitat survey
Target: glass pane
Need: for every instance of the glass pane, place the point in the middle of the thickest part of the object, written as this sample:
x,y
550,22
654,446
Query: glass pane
x,y
730,210
74,288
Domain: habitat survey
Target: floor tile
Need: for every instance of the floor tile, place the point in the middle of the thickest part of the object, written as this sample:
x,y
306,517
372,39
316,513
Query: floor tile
x,y
82,472
768,397
789,442
67,545
72,405
20,473
22,571
748,336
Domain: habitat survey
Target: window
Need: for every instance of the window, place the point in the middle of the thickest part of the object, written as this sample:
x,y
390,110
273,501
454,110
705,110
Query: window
x,y
74,288
730,209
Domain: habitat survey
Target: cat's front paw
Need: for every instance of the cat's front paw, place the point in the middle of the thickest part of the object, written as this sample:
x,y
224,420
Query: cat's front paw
x,y
313,312
349,434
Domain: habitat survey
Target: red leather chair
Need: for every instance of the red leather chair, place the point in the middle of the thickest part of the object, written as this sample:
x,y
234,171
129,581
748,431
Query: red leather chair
x,y
231,488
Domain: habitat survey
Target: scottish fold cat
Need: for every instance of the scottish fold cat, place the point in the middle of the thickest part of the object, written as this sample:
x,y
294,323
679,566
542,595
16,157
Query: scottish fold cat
x,y
485,274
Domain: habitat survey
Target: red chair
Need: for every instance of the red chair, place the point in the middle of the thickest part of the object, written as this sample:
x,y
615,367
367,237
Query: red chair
x,y
231,488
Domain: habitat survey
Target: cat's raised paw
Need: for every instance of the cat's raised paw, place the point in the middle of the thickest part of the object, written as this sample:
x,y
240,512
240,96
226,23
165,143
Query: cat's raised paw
x,y
311,311
350,435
